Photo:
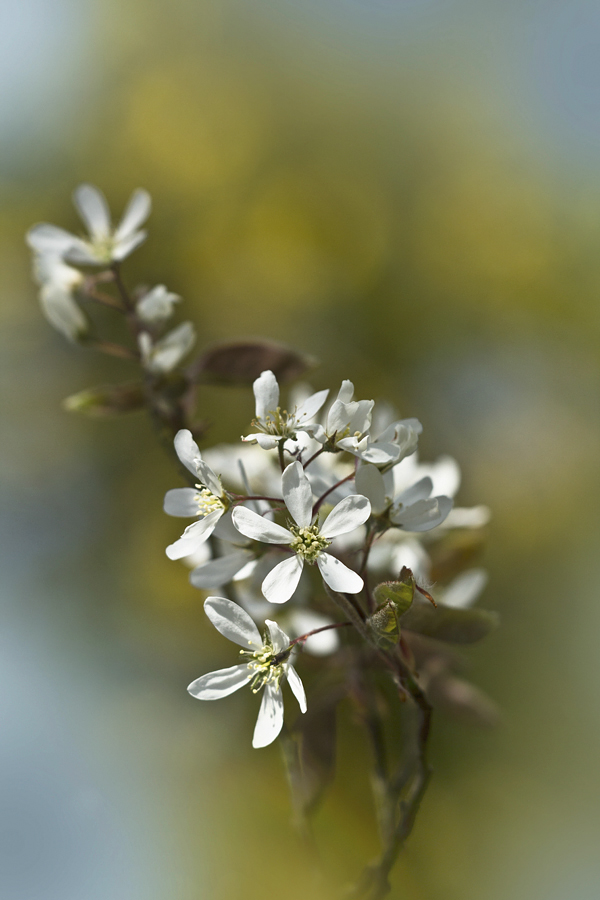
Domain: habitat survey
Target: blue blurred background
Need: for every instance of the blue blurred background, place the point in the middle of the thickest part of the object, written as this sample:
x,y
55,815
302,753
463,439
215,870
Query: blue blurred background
x,y
408,190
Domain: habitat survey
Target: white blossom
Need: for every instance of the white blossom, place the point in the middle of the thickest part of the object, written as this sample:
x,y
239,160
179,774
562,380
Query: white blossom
x,y
157,304
346,419
104,244
307,540
413,509
58,282
273,423
266,664
164,355
207,500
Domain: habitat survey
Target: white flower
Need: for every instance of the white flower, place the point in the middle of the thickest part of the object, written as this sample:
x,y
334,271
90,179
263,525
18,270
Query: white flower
x,y
58,282
105,243
272,422
165,354
346,419
398,441
413,509
207,500
308,541
157,304
266,664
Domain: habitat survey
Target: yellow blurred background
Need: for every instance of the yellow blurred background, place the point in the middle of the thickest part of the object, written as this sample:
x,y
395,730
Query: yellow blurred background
x,y
407,190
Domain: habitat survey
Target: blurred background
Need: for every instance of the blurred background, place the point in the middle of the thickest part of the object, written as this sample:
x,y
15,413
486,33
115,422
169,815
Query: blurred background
x,y
408,190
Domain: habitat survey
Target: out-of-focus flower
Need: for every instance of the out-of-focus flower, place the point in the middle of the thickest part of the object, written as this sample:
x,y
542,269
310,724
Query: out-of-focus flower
x,y
157,304
308,541
274,424
207,500
346,420
266,664
57,282
162,357
105,244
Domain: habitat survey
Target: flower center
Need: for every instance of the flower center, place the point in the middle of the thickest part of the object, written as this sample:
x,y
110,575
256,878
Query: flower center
x,y
278,422
267,670
308,542
103,247
207,501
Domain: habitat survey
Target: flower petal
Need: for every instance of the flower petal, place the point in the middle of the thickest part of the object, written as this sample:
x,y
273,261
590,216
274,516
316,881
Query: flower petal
x,y
136,213
221,570
208,477
187,450
421,490
266,393
181,502
369,482
265,441
465,589
92,207
297,493
258,528
297,687
50,239
311,406
233,622
349,513
270,718
279,638
338,576
423,515
282,581
123,248
221,683
194,535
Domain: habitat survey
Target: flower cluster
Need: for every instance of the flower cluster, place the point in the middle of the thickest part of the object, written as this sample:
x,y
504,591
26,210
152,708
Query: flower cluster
x,y
310,489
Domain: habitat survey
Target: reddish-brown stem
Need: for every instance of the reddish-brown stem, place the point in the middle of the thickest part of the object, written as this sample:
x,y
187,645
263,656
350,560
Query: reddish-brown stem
x,y
314,456
324,496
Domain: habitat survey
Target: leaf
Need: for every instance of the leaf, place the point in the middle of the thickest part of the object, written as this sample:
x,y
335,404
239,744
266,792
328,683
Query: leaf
x,y
107,400
400,593
462,701
457,626
384,624
241,362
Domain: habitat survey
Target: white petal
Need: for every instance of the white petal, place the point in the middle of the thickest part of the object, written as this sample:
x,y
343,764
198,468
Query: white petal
x,y
194,535
297,687
310,407
92,207
63,313
282,581
233,622
338,416
83,254
349,513
468,517
258,528
136,213
187,450
266,441
221,570
221,683
361,416
419,491
50,239
297,493
465,589
208,477
270,718
369,482
346,392
380,454
338,576
181,502
423,515
266,392
123,248
279,638
304,620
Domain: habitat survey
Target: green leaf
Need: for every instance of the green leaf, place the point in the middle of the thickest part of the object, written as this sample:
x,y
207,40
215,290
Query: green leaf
x,y
385,626
400,593
241,362
457,626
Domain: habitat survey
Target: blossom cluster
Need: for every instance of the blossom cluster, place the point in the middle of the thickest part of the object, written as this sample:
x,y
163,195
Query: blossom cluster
x,y
335,490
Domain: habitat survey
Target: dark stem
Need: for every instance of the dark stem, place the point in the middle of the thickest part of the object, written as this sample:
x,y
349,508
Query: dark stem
x,y
329,491
314,456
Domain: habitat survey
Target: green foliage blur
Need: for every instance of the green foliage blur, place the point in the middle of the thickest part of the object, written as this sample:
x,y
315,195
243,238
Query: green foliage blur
x,y
371,206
